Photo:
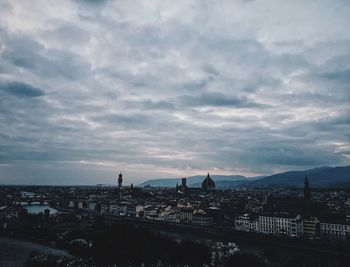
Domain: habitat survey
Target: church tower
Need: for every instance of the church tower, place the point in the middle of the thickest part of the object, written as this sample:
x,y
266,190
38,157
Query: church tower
x,y
307,199
120,180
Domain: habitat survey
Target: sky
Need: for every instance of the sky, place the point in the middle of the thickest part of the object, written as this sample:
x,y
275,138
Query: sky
x,y
163,88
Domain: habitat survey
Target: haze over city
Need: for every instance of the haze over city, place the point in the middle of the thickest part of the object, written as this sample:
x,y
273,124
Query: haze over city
x,y
171,89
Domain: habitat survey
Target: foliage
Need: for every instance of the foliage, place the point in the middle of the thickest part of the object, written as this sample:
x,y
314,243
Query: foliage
x,y
125,244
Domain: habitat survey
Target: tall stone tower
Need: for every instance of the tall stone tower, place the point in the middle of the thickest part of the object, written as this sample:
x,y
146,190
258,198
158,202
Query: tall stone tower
x,y
120,180
307,199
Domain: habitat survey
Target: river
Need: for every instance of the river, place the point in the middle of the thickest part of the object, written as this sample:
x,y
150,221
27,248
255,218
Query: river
x,y
14,252
37,208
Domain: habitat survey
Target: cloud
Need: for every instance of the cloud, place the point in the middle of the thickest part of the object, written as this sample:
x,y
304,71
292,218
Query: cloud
x,y
21,89
164,88
217,99
341,75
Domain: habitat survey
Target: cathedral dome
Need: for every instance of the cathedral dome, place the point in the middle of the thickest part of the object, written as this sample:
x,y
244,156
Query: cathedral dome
x,y
208,183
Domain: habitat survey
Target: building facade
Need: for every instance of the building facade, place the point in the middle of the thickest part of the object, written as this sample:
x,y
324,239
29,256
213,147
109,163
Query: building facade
x,y
335,231
311,227
246,223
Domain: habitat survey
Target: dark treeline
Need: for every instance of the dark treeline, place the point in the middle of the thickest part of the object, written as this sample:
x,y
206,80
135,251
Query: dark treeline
x,y
127,245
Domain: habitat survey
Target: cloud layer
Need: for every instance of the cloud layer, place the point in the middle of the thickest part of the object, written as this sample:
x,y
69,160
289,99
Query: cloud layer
x,y
171,88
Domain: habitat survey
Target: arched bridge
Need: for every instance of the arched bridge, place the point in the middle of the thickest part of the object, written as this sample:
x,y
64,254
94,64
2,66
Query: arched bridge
x,y
31,199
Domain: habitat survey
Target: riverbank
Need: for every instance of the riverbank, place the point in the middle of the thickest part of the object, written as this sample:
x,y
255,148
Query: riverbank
x,y
14,252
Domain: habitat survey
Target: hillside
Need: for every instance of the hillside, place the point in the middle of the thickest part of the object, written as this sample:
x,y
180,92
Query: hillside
x,y
318,177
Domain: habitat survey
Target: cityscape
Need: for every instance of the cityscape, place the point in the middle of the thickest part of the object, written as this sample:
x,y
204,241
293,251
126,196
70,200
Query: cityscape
x,y
188,133
277,227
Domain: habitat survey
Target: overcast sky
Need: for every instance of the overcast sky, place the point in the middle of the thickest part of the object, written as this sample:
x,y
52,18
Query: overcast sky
x,y
171,88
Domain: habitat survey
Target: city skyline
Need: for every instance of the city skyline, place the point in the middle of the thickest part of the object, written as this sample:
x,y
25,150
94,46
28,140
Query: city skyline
x,y
158,89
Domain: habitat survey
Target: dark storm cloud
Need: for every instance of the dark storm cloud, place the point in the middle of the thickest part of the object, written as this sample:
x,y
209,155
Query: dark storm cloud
x,y
340,76
33,56
217,99
20,89
126,120
164,88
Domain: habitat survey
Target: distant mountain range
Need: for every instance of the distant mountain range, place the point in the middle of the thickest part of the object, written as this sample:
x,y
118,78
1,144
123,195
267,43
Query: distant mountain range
x,y
192,181
318,177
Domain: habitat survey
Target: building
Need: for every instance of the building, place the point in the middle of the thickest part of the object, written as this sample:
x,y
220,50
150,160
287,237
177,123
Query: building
x,y
104,208
71,204
296,227
169,216
120,181
92,206
266,224
150,212
282,225
202,219
335,230
208,183
139,212
186,214
130,210
117,210
81,205
246,223
183,187
311,227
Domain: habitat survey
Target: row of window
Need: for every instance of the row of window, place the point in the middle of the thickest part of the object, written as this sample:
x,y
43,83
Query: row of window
x,y
334,226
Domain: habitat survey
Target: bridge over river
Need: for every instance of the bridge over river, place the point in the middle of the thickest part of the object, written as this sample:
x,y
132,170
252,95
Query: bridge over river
x,y
30,198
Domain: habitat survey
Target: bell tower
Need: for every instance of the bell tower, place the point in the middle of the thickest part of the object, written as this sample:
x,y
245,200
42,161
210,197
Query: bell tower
x,y
120,180
307,199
